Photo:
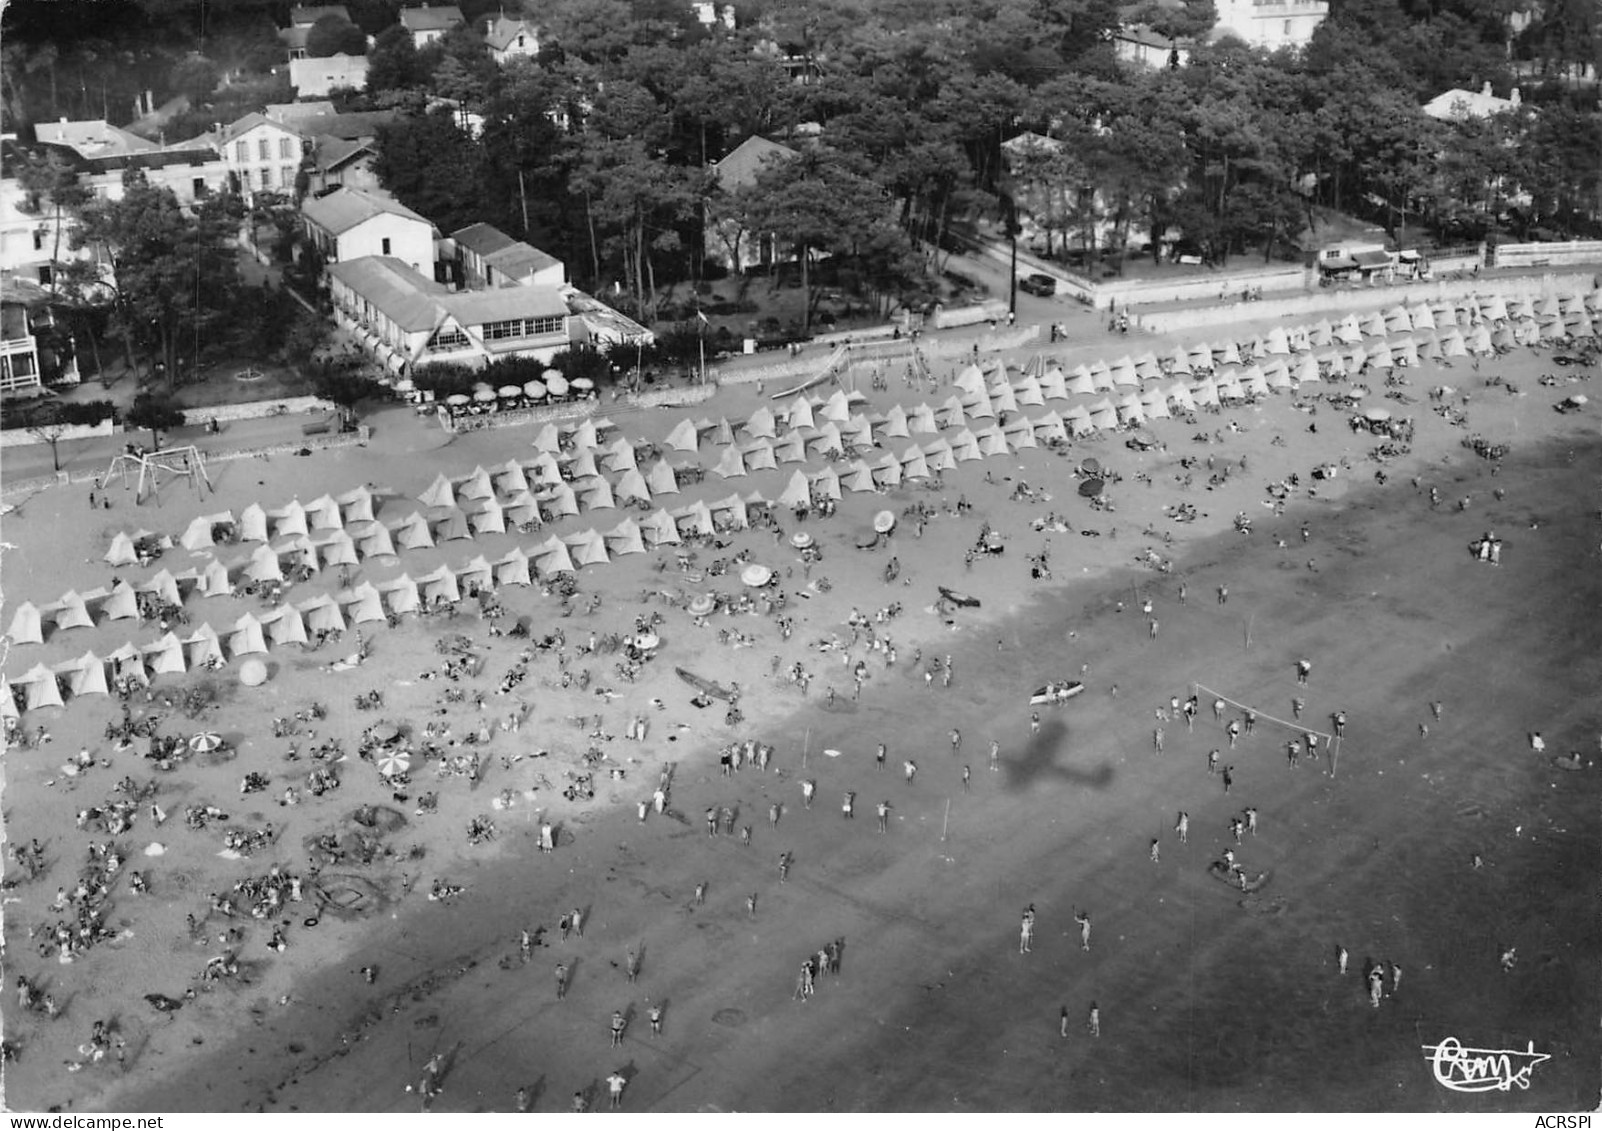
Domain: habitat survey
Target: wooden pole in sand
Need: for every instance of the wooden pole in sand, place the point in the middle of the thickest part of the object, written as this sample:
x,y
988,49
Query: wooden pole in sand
x,y
1334,756
1250,617
806,744
945,821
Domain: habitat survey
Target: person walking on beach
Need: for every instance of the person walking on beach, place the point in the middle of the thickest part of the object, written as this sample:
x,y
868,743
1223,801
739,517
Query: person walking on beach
x,y
1340,958
1293,752
1303,669
808,789
631,966
1026,929
1083,919
773,815
1376,986
995,755
525,946
1062,1023
1218,710
655,1015
1223,594
1396,977
614,1088
909,770
1251,820
1339,720
1156,851
878,756
784,866
1251,721
700,894
561,980
1034,722
1298,704
1229,777
618,1025
848,805
1212,761
1233,730
1157,740
750,905
1182,827
1154,626
711,822
547,837
1236,827
1190,713
956,741
967,779
578,921
1093,1022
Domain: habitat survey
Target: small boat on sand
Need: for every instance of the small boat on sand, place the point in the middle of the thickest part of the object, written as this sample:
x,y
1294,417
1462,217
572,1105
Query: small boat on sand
x,y
705,686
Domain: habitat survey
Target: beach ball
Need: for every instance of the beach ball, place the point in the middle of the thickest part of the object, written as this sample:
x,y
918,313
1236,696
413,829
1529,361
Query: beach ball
x,y
253,673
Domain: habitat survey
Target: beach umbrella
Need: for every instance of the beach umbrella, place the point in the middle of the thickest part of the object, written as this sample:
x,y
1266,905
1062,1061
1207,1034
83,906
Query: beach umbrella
x,y
801,539
534,390
583,384
702,605
456,400
510,391
556,383
205,742
485,396
393,762
756,576
1377,414
1090,488
884,522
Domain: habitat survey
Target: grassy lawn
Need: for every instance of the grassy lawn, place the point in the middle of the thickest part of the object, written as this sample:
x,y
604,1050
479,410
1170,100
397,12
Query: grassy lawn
x,y
219,385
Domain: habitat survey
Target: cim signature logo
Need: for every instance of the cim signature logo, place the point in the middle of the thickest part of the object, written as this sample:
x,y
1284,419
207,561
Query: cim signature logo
x,y
1482,1070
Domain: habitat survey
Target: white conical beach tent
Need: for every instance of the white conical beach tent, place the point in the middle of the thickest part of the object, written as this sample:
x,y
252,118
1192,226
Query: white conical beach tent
x,y
375,541
363,604
476,486
684,437
475,573
1054,426
121,551
661,480
322,614
87,675
759,457
524,509
730,465
762,424
165,656
1276,342
356,505
245,638
586,435
548,439
797,492
289,519
285,626
1398,321
510,478
440,585
624,538
449,525
922,419
827,439
71,612
1020,433
214,580
618,456
513,569
39,688
1130,411
887,471
338,549
598,495
1027,392
582,465
401,594
859,477
197,535
1421,317
799,414
732,511
837,407
439,493
791,449
122,603
659,529
27,627
827,483
1054,386
551,557
1349,332
895,423
203,647
253,524
695,519
322,513
937,456
970,380
631,487
559,501
1153,404
951,414
913,464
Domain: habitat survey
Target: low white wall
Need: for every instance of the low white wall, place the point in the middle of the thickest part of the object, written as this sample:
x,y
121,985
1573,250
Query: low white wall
x,y
1360,298
1549,254
21,437
1141,292
254,410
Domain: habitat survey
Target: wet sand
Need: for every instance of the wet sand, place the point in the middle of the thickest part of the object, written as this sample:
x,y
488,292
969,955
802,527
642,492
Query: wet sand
x,y
1222,1006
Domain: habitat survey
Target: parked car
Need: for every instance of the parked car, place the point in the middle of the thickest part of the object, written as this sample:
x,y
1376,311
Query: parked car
x,y
1037,284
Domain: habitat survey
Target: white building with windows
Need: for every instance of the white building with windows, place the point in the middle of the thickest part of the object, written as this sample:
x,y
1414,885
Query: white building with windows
x,y
352,224
491,258
510,37
262,155
428,25
408,320
1270,24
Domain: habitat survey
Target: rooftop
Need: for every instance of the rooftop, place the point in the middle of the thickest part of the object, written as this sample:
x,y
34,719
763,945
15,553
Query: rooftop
x,y
1461,105
425,18
95,138
500,31
405,297
747,159
310,14
342,210
512,258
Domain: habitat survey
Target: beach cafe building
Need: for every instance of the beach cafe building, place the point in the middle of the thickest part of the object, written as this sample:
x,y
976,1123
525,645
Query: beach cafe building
x,y
1367,262
406,320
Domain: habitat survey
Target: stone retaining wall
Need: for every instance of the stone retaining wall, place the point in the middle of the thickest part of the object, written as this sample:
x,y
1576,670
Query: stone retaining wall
x,y
21,437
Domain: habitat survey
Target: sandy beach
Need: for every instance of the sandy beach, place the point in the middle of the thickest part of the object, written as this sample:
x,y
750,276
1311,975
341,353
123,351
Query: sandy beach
x,y
1436,851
